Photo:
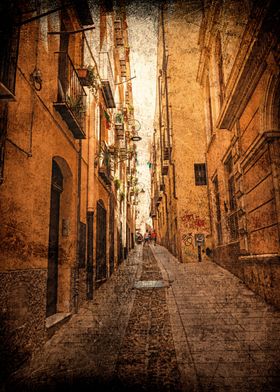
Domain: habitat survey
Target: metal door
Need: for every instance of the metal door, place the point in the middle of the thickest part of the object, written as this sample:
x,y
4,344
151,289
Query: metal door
x,y
101,267
56,189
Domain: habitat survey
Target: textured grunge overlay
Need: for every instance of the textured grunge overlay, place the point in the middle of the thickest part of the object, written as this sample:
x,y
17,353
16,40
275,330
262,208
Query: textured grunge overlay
x,y
194,326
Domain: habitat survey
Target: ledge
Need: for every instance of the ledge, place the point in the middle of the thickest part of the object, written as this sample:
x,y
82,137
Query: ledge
x,y
54,322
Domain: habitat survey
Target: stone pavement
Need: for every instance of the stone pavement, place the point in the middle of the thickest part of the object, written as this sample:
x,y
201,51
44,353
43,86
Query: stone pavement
x,y
159,325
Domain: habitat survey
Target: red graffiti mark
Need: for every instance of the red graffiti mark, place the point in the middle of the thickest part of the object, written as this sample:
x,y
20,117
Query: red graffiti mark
x,y
192,221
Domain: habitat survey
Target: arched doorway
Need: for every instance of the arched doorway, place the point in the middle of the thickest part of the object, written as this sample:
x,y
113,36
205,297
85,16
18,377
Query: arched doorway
x,y
101,228
52,282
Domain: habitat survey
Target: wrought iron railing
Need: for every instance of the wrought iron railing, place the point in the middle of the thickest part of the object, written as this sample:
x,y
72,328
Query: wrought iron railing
x,y
107,78
105,68
70,91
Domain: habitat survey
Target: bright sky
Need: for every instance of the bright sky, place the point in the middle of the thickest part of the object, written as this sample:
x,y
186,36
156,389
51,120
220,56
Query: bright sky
x,y
142,27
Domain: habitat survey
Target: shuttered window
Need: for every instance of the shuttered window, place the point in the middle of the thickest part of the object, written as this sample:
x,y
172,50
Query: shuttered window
x,y
200,174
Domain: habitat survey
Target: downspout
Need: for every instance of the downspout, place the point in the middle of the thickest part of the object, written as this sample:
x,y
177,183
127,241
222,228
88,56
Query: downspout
x,y
76,270
167,113
173,167
90,210
166,86
161,156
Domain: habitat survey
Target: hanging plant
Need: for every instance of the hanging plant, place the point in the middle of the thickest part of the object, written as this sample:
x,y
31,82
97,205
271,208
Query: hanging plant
x,y
107,116
117,183
122,195
107,119
119,118
130,108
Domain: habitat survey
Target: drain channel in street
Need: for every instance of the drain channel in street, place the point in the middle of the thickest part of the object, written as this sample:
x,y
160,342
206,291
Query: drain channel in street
x,y
150,284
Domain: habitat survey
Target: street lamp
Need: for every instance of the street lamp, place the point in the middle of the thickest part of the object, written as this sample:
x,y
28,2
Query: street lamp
x,y
135,137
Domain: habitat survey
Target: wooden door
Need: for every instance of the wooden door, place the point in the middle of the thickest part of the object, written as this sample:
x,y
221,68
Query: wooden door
x,y
56,189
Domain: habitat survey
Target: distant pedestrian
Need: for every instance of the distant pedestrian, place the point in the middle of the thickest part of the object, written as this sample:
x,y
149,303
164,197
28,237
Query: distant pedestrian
x,y
146,238
154,236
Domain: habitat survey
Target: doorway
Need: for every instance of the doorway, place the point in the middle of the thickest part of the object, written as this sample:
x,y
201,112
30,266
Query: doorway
x,y
101,227
52,281
112,235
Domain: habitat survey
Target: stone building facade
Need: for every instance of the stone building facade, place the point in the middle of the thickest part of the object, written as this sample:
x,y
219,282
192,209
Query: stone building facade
x,y
179,206
239,71
67,211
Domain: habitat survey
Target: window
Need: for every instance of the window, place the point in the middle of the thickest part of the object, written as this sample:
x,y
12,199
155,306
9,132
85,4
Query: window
x,y
200,174
232,213
218,211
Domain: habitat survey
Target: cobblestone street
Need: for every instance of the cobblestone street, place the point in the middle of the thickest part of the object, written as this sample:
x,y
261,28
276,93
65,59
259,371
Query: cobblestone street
x,y
159,325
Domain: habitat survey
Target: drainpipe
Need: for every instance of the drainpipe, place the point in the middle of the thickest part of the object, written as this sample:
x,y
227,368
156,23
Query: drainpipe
x,y
168,121
173,165
76,270
165,55
90,210
161,155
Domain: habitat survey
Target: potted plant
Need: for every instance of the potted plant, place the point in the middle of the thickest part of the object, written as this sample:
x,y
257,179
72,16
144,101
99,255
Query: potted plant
x,y
119,125
76,104
119,118
88,78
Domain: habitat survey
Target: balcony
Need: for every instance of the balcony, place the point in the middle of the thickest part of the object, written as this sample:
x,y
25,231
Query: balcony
x,y
158,198
71,98
123,68
8,62
118,33
83,12
119,131
107,79
105,164
166,153
165,166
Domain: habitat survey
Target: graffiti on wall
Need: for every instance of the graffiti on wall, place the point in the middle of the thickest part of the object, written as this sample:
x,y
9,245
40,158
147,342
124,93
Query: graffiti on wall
x,y
187,239
192,221
194,230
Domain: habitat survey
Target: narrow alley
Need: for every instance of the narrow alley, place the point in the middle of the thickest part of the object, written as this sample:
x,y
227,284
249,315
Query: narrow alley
x,y
139,195
160,325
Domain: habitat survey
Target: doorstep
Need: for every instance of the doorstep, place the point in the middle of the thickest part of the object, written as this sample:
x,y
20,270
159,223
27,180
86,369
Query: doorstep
x,y
54,322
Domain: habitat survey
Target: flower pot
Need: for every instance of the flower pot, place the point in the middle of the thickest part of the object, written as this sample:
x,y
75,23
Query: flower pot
x,y
83,76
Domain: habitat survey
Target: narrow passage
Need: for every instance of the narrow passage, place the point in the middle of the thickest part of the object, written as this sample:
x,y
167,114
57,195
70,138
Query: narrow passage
x,y
147,359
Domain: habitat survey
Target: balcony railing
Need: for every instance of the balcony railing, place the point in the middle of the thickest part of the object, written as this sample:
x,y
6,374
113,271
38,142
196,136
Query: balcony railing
x,y
71,97
165,166
158,197
107,79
